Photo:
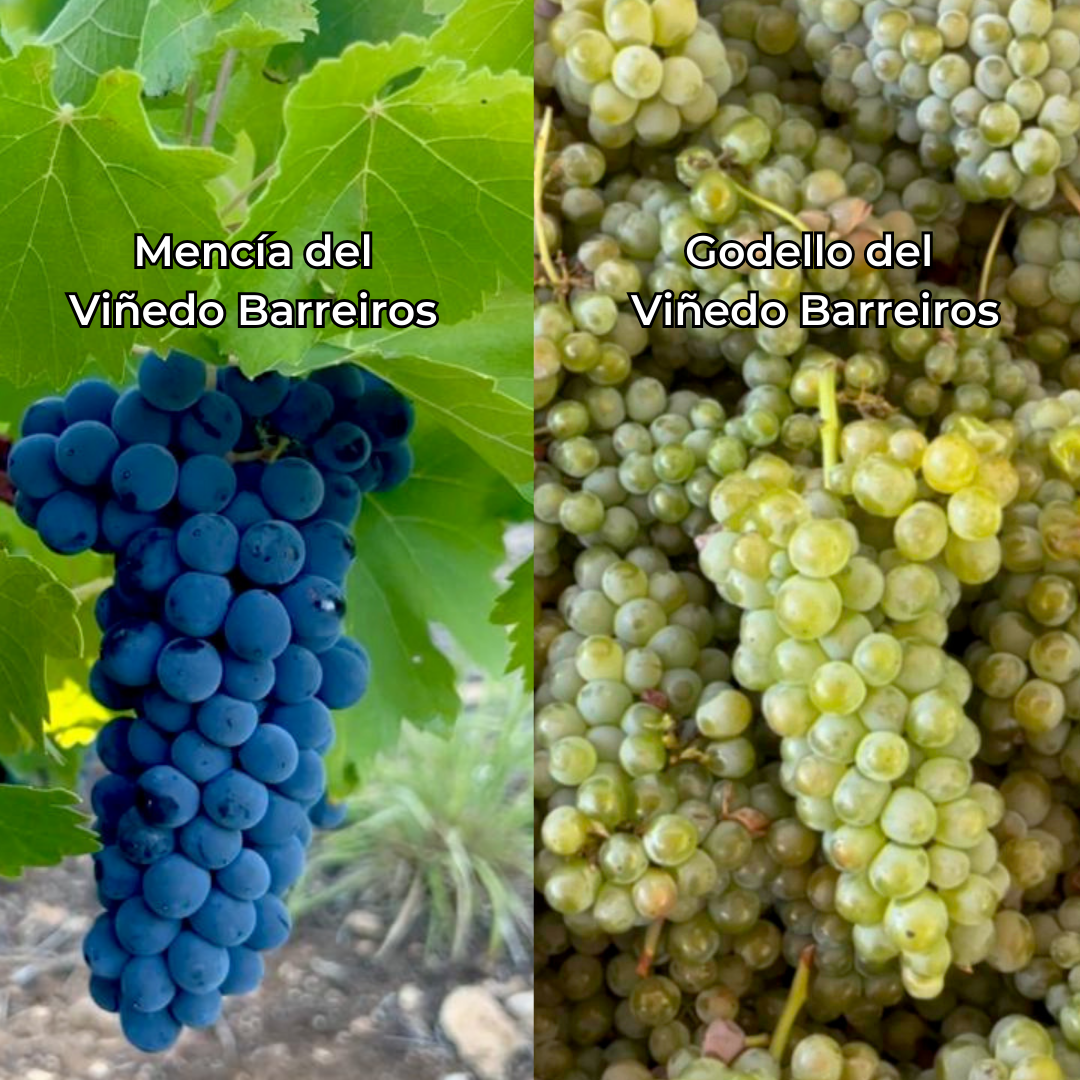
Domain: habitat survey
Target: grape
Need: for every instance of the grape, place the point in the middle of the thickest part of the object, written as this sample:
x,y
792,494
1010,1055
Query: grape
x,y
198,758
130,650
298,675
208,543
189,669
245,971
304,412
44,417
305,783
206,484
256,397
173,384
292,489
195,964
344,447
175,887
140,931
248,680
235,800
308,722
225,920
196,604
146,985
270,755
258,626
329,551
141,842
134,420
150,562
144,478
196,1010
272,924
226,721
245,510
345,672
118,879
208,844
211,426
284,817
68,523
315,607
273,552
85,452
150,1032
247,877
102,950
285,863
90,399
147,745
32,466
166,797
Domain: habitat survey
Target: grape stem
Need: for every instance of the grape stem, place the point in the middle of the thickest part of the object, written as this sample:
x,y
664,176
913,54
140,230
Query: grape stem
x,y
649,949
189,111
768,204
538,199
991,253
830,426
800,988
213,111
249,189
1068,189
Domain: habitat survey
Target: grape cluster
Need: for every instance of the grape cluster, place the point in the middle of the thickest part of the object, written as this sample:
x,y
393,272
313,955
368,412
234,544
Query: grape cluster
x,y
229,505
985,90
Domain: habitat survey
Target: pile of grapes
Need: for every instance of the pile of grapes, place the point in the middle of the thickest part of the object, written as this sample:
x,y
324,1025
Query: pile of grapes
x,y
229,504
807,600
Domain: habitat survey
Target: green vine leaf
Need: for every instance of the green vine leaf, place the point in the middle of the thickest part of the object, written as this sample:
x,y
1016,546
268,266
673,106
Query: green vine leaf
x,y
431,552
496,341
178,32
393,139
80,183
514,609
41,828
495,34
341,22
37,619
92,37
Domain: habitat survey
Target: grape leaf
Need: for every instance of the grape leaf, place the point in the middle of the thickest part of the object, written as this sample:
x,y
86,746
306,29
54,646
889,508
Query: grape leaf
x,y
342,22
496,341
495,34
37,619
41,827
430,553
79,183
468,404
514,609
437,169
177,32
92,37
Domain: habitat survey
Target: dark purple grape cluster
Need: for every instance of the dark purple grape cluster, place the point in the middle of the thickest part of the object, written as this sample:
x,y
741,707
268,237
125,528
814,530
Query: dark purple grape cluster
x,y
229,504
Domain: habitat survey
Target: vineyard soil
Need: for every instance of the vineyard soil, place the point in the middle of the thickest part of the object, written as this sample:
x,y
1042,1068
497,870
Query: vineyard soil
x,y
324,1009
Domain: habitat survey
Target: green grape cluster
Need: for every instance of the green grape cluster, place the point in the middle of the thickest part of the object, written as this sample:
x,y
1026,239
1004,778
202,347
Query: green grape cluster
x,y
641,70
1017,1047
848,653
984,90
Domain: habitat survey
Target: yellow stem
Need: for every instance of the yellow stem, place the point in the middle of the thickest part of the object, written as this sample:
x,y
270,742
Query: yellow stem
x,y
538,199
830,421
800,988
768,204
991,254
1068,189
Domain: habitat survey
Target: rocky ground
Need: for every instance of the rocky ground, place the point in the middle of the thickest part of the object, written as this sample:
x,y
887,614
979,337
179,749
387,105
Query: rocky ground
x,y
326,1009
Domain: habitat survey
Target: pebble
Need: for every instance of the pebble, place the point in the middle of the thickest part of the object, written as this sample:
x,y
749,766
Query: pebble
x,y
486,1038
522,1005
364,924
